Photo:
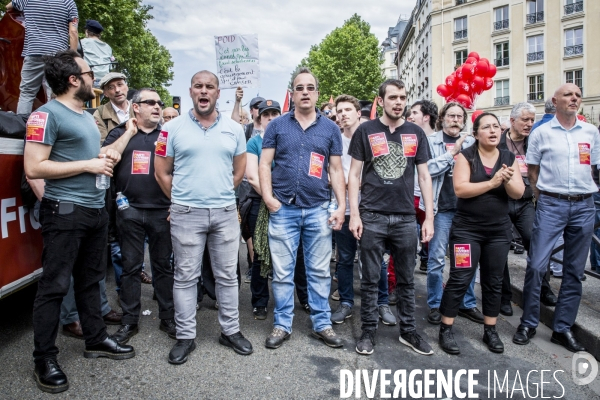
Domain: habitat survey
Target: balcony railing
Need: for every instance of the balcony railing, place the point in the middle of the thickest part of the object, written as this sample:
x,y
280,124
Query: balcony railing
x,y
573,8
534,18
537,56
535,96
501,62
499,25
502,101
573,50
460,34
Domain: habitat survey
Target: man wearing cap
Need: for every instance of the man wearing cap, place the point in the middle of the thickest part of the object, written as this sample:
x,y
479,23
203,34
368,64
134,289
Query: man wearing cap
x,y
97,54
118,109
255,127
50,27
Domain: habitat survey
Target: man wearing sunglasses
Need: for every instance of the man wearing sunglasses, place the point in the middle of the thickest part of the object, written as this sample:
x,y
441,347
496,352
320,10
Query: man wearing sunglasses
x,y
118,109
146,216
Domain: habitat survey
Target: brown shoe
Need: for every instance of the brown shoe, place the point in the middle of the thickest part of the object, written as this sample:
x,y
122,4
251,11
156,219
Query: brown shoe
x,y
73,329
113,318
146,278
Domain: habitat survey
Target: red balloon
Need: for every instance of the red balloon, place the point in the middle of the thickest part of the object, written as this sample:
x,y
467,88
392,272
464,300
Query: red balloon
x,y
489,83
471,60
477,84
444,90
463,87
459,72
465,100
492,71
474,54
581,118
482,68
451,81
468,71
475,115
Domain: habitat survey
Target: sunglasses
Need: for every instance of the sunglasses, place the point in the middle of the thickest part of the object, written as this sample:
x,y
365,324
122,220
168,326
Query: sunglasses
x,y
90,73
152,103
309,88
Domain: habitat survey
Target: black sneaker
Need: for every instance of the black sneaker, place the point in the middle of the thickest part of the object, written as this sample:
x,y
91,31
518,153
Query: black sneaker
x,y
260,313
471,313
434,317
49,377
181,350
506,309
392,298
447,342
416,342
306,307
492,339
168,326
125,332
343,312
423,266
366,342
237,342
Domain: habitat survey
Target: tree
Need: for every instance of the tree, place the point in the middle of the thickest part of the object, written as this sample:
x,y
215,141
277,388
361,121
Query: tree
x,y
347,61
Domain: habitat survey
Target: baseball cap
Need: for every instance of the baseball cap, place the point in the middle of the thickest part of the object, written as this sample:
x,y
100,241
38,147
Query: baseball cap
x,y
255,101
268,105
111,76
93,26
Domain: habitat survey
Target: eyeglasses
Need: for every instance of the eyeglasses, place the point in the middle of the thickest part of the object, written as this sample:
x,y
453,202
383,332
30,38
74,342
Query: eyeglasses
x,y
455,116
90,73
309,88
327,112
152,103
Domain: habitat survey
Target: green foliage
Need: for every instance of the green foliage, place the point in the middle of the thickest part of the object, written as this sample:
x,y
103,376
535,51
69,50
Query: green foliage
x,y
347,61
141,57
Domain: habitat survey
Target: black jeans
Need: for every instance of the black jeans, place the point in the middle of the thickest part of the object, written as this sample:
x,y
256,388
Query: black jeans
x,y
259,286
522,214
134,224
400,233
74,244
489,249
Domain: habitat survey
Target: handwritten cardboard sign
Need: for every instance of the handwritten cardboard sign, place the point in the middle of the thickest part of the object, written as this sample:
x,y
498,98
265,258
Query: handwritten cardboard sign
x,y
237,61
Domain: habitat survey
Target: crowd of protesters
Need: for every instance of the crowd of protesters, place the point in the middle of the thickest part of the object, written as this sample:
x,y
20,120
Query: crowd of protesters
x,y
378,186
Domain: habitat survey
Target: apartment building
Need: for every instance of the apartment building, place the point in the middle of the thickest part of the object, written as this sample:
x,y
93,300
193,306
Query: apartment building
x,y
389,49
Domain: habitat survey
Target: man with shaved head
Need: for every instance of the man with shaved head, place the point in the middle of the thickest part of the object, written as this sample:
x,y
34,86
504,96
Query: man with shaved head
x,y
169,113
559,160
209,150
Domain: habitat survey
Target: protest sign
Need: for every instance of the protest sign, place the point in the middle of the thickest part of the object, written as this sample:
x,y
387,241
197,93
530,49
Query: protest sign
x,y
237,61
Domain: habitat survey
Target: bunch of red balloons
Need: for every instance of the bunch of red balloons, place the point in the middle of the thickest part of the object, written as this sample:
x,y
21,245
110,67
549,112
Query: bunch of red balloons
x,y
468,81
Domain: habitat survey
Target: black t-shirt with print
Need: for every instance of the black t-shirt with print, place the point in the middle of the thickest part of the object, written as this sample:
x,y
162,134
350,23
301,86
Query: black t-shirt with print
x,y
447,198
389,165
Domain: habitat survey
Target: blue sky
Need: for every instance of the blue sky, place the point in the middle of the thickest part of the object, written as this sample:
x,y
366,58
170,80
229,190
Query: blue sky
x,y
285,29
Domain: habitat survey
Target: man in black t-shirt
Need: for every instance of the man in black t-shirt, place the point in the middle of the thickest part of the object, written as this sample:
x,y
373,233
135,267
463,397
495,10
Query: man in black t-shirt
x,y
146,215
387,150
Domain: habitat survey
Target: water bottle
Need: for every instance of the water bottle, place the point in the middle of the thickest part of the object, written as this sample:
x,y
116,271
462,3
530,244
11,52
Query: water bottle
x,y
102,181
333,206
122,202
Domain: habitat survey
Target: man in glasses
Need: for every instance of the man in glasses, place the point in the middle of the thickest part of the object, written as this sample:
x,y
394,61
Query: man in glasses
x,y
63,149
209,150
118,109
304,144
169,113
146,216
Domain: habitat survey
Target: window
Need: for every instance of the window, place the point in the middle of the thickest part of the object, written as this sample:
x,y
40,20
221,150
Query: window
x,y
501,54
393,74
535,11
502,97
573,41
501,18
536,88
460,57
575,77
535,48
460,28
573,6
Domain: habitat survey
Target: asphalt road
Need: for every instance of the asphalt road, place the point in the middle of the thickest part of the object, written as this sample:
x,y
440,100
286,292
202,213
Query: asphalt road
x,y
304,368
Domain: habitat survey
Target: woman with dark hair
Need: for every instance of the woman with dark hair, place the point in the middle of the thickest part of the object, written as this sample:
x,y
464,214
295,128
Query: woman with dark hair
x,y
484,179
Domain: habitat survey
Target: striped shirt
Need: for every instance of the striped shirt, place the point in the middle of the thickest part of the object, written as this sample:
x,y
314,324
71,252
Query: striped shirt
x,y
46,25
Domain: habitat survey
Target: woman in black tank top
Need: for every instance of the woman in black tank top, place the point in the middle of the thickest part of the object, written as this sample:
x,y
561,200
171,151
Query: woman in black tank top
x,y
484,179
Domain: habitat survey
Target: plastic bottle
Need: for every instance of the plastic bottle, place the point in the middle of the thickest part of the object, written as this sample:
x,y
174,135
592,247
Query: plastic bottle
x,y
102,181
333,206
122,202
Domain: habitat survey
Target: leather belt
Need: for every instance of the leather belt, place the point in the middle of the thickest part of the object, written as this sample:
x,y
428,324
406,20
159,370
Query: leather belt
x,y
569,197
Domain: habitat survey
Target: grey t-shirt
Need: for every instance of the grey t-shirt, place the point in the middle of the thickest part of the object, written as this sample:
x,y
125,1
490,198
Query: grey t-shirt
x,y
73,137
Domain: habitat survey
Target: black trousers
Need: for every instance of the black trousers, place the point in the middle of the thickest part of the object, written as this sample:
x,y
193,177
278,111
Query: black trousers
x,y
134,224
522,213
74,244
489,249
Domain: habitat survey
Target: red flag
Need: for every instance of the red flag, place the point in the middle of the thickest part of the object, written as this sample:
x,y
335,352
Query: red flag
x,y
374,108
286,102
330,99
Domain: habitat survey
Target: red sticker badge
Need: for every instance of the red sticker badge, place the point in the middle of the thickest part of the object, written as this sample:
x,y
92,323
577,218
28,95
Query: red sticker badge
x,y
36,126
462,255
161,144
450,147
409,144
379,144
522,164
316,165
584,153
140,162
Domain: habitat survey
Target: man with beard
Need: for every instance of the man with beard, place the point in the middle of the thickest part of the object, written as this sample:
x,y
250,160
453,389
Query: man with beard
x,y
146,216
63,147
445,146
389,149
521,211
209,150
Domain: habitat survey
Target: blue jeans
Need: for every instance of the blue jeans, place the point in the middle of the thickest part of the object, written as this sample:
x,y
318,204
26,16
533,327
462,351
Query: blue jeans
x,y
553,216
286,226
595,249
437,261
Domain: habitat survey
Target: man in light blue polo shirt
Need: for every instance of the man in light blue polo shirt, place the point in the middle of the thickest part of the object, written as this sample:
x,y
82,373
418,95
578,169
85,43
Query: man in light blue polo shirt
x,y
199,159
559,160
